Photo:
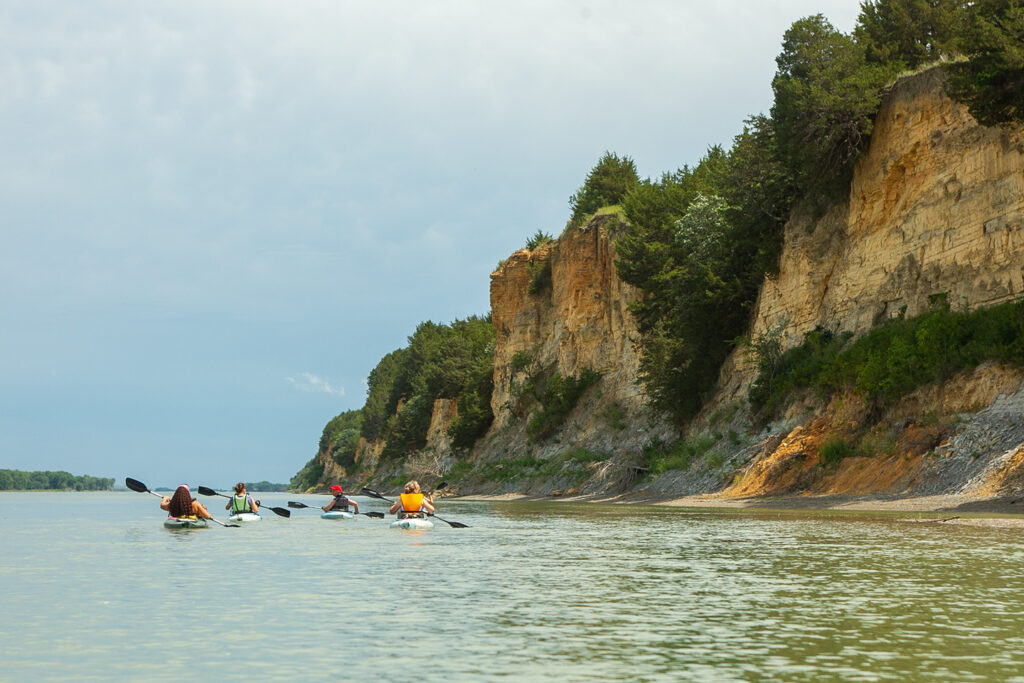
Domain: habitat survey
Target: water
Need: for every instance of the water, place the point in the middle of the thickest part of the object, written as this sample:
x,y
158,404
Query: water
x,y
92,587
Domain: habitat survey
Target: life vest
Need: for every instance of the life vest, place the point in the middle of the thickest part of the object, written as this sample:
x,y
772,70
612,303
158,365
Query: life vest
x,y
241,504
412,503
340,503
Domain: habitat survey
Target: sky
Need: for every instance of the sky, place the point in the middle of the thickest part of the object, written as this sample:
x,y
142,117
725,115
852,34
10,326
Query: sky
x,y
217,216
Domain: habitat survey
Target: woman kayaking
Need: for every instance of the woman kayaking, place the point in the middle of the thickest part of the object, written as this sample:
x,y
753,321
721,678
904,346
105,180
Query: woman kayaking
x,y
241,501
412,503
340,502
182,504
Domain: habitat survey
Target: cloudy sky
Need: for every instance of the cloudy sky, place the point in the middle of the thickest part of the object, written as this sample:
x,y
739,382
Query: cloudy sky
x,y
217,216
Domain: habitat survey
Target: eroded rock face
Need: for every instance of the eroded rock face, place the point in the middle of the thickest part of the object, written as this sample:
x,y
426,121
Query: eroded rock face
x,y
580,321
936,208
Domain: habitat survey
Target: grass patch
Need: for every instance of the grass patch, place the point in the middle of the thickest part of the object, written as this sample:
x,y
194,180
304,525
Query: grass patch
x,y
660,457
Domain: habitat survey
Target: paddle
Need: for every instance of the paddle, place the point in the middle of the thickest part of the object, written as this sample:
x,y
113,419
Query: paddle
x,y
454,525
136,485
277,511
295,504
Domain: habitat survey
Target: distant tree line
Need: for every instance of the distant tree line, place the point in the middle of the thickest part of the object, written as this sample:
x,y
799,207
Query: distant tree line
x,y
264,486
16,480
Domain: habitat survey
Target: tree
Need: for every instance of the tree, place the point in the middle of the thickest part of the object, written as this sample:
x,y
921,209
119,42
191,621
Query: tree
x,y
908,33
826,96
991,81
606,184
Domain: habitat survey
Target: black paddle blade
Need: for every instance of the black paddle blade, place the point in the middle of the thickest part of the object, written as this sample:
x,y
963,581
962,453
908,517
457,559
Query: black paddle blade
x,y
206,491
454,525
375,515
374,494
293,504
135,485
280,511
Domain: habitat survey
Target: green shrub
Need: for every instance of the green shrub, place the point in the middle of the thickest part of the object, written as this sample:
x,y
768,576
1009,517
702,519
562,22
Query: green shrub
x,y
558,396
540,237
714,459
834,449
540,274
521,360
898,357
679,455
606,184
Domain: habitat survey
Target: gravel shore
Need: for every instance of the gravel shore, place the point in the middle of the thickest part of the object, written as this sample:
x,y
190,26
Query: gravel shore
x,y
951,509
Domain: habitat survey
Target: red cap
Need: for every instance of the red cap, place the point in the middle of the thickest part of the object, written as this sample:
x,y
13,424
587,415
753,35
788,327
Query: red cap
x,y
336,488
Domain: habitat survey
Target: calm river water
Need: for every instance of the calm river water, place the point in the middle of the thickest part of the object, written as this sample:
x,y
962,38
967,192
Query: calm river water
x,y
93,587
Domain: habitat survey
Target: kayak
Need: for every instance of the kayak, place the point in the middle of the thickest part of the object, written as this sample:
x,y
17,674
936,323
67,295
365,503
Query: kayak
x,y
337,514
244,517
186,523
413,524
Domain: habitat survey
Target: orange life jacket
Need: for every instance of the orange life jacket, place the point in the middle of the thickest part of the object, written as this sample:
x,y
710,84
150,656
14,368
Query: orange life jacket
x,y
412,502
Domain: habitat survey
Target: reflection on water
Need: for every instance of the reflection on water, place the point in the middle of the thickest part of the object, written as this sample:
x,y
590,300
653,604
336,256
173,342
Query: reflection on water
x,y
93,587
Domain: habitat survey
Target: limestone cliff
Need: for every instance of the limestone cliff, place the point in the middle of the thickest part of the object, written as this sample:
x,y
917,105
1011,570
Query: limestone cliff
x,y
568,320
936,207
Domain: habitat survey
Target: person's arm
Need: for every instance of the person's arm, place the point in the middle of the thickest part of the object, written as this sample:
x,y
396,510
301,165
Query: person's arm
x,y
165,503
428,506
228,506
327,508
353,504
254,504
394,507
199,510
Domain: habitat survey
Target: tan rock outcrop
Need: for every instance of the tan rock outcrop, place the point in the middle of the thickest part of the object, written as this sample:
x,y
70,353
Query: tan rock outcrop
x,y
936,207
581,321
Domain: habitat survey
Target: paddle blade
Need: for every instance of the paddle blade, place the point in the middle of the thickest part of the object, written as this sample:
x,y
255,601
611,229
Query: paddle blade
x,y
207,491
135,485
280,511
375,515
293,504
373,494
456,525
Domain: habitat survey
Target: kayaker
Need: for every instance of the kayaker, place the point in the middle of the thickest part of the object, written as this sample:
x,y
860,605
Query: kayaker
x,y
340,502
412,503
242,501
182,504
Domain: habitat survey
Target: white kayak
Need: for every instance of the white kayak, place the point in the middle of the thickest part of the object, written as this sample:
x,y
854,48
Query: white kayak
x,y
245,517
413,524
337,514
186,523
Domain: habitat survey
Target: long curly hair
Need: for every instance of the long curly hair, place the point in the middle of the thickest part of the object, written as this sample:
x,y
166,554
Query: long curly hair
x,y
181,502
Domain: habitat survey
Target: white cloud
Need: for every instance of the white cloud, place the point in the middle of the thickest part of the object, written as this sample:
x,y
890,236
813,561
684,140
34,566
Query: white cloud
x,y
315,384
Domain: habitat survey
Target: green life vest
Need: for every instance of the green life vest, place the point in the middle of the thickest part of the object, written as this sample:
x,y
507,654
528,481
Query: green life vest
x,y
240,504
